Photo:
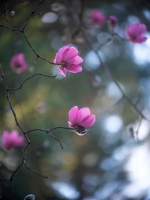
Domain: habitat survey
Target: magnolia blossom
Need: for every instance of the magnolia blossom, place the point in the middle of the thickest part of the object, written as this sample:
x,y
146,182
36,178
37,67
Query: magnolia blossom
x,y
112,20
68,58
18,63
12,139
80,120
135,33
96,17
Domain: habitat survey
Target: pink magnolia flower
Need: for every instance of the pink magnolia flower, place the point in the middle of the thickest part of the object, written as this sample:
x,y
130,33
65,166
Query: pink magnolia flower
x,y
80,120
12,139
96,17
18,63
68,57
112,20
135,33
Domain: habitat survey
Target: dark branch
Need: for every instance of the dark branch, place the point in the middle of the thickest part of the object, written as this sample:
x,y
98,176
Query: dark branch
x,y
38,74
35,172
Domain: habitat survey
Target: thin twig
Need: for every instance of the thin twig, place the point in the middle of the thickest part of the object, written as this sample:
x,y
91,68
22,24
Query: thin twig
x,y
37,74
49,132
5,11
10,29
8,99
32,13
14,192
35,172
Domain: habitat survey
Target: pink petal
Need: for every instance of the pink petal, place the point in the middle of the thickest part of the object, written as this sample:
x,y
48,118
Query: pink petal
x,y
73,115
62,71
83,112
141,29
73,68
88,121
140,39
131,30
61,51
57,59
70,54
19,141
6,140
70,124
76,60
14,134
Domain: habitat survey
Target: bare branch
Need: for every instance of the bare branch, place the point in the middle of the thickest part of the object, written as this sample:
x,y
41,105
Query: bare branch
x,y
32,13
35,172
38,74
5,11
8,99
10,29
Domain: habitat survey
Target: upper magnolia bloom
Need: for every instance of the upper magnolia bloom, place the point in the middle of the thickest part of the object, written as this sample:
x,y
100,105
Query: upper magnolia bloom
x,y
97,17
80,120
12,139
68,58
135,33
112,20
18,63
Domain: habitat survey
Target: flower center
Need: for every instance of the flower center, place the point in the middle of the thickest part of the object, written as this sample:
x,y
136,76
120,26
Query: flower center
x,y
63,64
80,130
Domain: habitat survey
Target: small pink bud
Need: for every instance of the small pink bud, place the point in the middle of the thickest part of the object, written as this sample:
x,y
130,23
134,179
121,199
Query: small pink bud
x,y
68,57
18,63
96,17
135,33
112,21
12,139
80,120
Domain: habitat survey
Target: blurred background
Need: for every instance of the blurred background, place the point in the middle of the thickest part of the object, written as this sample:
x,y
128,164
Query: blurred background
x,y
109,162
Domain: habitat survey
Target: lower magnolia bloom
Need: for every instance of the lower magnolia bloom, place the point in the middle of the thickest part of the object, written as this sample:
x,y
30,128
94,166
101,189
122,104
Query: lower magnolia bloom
x,y
12,139
135,33
68,58
80,120
18,63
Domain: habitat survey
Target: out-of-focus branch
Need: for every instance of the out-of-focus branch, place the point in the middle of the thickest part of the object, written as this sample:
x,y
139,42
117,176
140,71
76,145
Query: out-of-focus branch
x,y
32,13
5,11
106,69
81,11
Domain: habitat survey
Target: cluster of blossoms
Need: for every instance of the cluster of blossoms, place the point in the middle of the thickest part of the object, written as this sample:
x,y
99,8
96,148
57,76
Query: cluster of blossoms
x,y
67,59
96,17
134,33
